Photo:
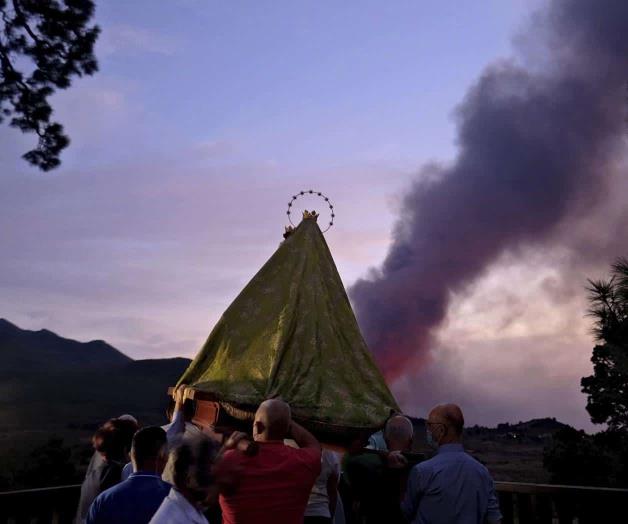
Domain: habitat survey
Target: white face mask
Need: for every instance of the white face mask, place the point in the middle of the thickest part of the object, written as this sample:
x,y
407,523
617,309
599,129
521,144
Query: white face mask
x,y
430,439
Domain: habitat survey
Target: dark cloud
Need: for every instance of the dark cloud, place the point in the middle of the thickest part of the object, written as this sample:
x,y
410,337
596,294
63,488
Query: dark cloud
x,y
538,145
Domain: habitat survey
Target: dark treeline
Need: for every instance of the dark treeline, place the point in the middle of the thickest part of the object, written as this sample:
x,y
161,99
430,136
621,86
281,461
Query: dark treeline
x,y
601,459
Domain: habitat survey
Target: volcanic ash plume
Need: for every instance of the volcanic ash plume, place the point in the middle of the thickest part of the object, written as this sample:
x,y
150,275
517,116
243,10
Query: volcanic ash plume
x,y
535,136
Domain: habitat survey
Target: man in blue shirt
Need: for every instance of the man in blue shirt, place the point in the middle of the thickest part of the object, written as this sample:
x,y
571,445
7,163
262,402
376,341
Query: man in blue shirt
x,y
452,487
135,500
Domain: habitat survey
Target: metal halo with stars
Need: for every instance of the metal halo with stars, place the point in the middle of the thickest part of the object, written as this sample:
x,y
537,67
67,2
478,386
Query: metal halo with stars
x,y
316,193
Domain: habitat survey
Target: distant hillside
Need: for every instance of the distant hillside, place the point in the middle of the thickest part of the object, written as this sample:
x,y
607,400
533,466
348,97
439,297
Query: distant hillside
x,y
53,385
512,452
537,430
49,382
45,351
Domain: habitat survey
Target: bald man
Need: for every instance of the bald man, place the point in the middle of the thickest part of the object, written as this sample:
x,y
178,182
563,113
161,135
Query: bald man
x,y
398,433
275,483
376,479
452,487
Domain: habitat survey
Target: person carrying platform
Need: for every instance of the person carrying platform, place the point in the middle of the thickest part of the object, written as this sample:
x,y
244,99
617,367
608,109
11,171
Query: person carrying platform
x,y
276,480
377,477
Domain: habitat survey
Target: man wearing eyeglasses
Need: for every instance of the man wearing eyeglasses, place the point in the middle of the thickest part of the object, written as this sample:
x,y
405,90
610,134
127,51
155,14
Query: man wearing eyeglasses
x,y
452,487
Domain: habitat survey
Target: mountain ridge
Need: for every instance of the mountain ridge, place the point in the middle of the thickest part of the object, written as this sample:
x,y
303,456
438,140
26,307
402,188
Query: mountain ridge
x,y
49,381
153,375
93,381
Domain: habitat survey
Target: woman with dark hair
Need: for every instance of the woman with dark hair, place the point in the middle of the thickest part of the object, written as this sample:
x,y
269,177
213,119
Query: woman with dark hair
x,y
112,443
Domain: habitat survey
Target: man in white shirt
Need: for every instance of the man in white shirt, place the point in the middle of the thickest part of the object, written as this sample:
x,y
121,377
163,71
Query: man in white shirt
x,y
189,470
177,509
321,506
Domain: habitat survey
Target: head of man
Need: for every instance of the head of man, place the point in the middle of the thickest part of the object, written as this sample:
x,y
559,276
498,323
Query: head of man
x,y
129,418
445,424
149,450
398,433
272,420
189,469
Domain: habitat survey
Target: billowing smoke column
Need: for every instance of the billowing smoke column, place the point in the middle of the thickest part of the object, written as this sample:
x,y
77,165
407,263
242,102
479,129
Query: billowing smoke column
x,y
535,142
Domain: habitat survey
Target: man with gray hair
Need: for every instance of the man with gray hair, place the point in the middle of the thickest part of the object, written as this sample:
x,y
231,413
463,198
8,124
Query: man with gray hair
x,y
452,487
189,469
398,433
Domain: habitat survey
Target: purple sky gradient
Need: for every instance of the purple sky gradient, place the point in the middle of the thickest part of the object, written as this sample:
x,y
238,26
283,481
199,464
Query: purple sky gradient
x,y
201,124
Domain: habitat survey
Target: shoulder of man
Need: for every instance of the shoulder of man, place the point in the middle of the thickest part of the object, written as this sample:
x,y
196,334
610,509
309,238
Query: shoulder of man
x,y
163,485
234,457
426,465
478,467
231,454
476,463
309,457
112,492
103,502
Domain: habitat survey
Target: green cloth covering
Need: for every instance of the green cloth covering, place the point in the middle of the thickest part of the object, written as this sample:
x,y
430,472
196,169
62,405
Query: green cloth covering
x,y
291,333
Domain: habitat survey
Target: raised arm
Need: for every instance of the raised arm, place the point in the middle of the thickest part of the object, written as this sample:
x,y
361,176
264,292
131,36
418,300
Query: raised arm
x,y
177,427
302,436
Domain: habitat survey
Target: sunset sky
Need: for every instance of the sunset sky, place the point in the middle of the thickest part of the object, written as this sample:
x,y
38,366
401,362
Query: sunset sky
x,y
204,119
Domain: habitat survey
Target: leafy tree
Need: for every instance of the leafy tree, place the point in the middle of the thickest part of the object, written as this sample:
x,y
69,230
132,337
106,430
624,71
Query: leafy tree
x,y
574,457
607,388
43,45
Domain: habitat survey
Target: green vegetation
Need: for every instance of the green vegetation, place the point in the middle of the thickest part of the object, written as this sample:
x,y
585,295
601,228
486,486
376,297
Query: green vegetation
x,y
607,388
601,459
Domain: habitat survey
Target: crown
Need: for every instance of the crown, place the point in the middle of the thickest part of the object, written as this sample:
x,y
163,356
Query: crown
x,y
310,214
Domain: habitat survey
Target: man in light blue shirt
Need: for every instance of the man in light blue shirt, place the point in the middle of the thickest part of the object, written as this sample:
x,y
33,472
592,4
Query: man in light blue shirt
x,y
452,487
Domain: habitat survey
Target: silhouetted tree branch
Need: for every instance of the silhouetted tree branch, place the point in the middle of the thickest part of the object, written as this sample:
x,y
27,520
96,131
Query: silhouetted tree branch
x,y
57,40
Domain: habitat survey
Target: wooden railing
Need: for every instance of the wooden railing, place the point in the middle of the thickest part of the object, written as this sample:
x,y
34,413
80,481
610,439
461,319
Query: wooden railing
x,y
40,506
520,503
523,503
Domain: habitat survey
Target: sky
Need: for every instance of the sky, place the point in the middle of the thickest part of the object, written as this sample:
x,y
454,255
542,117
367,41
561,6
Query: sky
x,y
203,121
